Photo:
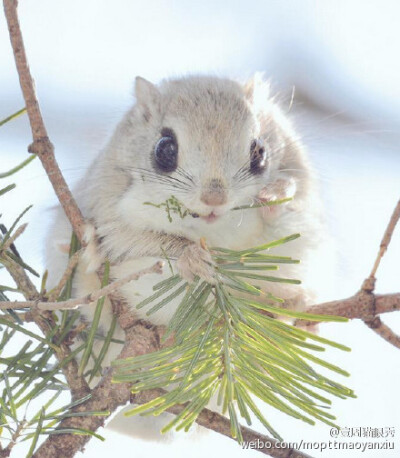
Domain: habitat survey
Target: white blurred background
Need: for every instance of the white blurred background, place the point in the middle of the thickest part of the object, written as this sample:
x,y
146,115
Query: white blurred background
x,y
342,61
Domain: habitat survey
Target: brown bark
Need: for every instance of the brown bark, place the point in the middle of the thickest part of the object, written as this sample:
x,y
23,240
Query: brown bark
x,y
41,145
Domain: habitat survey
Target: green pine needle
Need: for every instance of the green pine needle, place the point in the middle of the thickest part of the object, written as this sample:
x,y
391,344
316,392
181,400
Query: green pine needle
x,y
13,116
95,323
232,344
18,167
8,234
173,206
31,374
7,189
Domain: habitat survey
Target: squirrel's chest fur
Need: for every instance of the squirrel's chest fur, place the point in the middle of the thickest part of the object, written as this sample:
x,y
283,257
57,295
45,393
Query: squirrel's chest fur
x,y
239,230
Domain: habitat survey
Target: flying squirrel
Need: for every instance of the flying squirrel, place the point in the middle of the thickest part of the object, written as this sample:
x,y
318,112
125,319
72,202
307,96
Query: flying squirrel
x,y
214,144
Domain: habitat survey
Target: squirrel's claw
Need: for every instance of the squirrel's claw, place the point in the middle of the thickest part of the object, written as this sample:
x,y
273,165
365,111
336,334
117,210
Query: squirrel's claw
x,y
196,261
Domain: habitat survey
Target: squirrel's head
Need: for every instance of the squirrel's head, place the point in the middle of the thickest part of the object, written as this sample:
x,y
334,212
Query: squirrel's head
x,y
210,142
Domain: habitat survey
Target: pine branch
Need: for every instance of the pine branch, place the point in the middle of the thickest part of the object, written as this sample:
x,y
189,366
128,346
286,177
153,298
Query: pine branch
x,y
6,452
225,343
218,423
110,396
45,322
106,396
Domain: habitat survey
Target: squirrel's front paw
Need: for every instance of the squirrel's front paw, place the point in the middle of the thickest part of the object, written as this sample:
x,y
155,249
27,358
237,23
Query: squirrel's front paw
x,y
280,189
195,261
91,258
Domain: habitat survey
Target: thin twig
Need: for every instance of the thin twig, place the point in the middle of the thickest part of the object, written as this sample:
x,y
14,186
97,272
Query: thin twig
x,y
27,317
6,452
21,278
13,238
367,305
356,307
72,263
386,238
89,299
368,286
352,307
383,330
41,145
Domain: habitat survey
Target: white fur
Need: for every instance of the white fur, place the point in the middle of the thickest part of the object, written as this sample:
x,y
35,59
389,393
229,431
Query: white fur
x,y
215,121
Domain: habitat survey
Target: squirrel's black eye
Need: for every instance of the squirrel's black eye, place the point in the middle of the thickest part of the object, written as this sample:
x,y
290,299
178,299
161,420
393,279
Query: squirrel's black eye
x,y
166,151
258,157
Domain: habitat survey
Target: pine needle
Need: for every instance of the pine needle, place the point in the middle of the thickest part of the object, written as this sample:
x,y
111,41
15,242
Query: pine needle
x,y
225,343
95,322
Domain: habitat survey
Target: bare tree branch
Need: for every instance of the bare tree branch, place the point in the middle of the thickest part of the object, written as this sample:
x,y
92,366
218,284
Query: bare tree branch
x,y
357,306
6,452
21,279
353,307
7,244
41,145
386,238
24,316
367,305
90,298
369,285
72,263
383,330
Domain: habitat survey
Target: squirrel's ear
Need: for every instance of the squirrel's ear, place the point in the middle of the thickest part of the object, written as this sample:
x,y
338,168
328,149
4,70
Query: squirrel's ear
x,y
257,90
146,93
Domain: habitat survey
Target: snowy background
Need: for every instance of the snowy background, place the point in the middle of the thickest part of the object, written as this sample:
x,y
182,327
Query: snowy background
x,y
341,57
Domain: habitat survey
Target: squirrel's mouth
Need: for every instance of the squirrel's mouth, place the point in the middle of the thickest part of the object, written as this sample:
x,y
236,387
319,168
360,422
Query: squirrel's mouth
x,y
210,218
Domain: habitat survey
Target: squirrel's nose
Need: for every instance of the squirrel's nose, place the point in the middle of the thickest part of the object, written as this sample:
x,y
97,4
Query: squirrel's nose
x,y
214,193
